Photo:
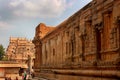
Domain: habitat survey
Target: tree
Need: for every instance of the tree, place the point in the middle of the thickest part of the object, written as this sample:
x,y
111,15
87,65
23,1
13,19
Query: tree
x,y
2,51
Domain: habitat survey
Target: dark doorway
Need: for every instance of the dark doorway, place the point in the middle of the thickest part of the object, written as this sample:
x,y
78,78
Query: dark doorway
x,y
98,41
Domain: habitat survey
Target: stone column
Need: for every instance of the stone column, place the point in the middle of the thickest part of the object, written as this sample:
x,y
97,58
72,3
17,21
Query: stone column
x,y
98,33
62,56
30,63
38,56
82,37
72,46
118,26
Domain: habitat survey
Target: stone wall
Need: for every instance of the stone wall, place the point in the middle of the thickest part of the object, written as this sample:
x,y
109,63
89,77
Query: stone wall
x,y
41,31
87,40
9,69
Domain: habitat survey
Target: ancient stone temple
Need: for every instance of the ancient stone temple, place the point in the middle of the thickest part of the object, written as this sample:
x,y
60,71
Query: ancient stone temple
x,y
22,51
86,46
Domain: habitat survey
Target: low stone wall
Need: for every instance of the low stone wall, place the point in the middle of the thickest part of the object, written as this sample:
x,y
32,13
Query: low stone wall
x,y
9,69
80,74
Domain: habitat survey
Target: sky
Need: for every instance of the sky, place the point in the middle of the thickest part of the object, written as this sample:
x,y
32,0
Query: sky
x,y
19,18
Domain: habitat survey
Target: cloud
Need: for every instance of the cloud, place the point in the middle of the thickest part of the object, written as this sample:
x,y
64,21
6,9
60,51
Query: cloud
x,y
70,3
5,26
38,8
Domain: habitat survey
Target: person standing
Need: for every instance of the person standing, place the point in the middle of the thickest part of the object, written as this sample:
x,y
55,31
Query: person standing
x,y
16,78
9,78
25,75
6,78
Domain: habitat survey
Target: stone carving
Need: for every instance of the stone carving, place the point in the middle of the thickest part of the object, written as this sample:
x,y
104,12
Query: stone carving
x,y
114,38
99,26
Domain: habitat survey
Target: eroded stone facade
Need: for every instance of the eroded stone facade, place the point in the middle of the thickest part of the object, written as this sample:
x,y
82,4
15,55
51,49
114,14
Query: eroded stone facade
x,y
41,31
22,51
9,69
88,41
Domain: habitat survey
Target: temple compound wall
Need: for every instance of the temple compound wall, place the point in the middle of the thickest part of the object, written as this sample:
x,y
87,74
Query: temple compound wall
x,y
86,46
9,69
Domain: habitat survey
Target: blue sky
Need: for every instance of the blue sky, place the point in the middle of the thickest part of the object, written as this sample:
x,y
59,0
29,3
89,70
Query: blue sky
x,y
19,18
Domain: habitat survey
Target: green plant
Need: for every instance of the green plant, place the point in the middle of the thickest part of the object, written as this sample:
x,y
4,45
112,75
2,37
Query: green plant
x,y
2,51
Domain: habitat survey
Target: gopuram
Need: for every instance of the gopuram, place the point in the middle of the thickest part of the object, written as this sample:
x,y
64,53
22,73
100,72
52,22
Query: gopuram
x,y
86,46
22,51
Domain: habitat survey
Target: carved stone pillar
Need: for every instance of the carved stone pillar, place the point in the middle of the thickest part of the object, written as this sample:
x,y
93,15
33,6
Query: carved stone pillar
x,y
38,56
98,35
72,46
119,38
82,37
117,22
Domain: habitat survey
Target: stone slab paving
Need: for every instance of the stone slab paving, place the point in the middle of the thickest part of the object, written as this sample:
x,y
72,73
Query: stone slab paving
x,y
38,79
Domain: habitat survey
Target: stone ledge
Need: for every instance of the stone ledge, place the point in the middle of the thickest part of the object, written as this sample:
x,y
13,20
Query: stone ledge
x,y
95,73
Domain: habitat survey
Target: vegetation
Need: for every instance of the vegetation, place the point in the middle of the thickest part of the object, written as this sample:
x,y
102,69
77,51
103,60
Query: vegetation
x,y
5,58
2,52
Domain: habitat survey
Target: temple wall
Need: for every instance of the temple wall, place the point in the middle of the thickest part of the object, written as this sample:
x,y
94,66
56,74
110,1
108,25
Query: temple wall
x,y
87,40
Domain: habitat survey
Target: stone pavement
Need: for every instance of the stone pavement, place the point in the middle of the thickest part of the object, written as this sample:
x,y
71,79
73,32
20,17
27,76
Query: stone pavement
x,y
36,78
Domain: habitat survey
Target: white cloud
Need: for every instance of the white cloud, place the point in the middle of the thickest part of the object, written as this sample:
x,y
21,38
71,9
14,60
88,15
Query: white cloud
x,y
38,8
70,3
5,25
15,3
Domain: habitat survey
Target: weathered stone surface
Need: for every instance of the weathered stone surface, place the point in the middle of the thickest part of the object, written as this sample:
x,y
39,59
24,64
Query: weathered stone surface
x,y
22,51
9,69
41,31
88,40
